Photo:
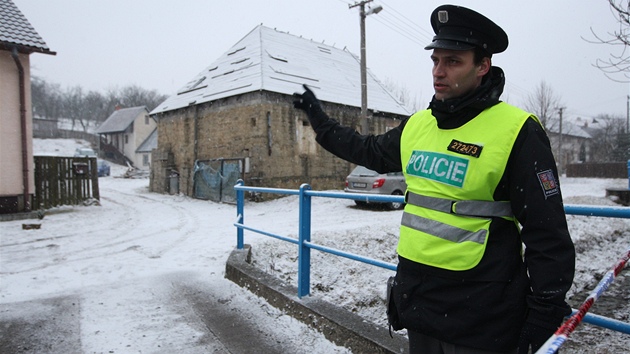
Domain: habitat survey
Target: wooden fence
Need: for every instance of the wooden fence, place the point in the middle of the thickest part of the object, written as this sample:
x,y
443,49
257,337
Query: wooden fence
x,y
64,181
598,170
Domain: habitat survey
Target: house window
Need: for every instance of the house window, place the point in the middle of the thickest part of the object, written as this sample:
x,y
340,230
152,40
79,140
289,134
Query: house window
x,y
126,139
145,159
253,122
146,120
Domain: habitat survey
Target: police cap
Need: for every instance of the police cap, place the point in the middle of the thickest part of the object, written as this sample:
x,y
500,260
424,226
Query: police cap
x,y
459,28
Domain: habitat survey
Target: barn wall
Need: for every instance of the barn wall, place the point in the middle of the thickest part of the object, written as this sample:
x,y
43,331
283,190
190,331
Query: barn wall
x,y
261,126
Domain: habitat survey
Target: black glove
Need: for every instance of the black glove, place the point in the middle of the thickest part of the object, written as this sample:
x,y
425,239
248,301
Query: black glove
x,y
310,104
533,335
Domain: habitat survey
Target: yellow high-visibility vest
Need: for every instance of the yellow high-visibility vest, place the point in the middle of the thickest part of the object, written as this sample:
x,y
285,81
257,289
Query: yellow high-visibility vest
x,y
451,177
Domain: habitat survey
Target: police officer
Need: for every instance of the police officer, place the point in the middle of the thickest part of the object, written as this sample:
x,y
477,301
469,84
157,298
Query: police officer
x,y
482,181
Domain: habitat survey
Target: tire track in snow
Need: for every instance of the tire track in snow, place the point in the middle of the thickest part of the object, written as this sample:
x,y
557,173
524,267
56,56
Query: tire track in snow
x,y
133,230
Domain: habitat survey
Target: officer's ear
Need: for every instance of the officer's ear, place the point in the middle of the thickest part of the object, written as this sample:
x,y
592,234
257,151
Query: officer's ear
x,y
484,66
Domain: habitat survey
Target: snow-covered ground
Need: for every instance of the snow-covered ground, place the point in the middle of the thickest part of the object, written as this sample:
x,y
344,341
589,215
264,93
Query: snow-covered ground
x,y
600,243
123,261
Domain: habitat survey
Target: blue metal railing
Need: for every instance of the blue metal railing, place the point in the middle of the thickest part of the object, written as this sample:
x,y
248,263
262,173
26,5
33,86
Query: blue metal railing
x,y
305,245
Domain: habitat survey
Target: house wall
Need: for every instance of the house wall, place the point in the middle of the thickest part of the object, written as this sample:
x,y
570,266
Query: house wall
x,y
142,128
127,143
571,150
11,170
263,126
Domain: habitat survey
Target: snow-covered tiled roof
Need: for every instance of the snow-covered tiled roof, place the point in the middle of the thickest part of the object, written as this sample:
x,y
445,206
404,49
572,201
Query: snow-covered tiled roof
x,y
270,60
570,129
15,30
120,120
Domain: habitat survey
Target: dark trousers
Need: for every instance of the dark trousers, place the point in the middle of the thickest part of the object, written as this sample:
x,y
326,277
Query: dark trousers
x,y
421,344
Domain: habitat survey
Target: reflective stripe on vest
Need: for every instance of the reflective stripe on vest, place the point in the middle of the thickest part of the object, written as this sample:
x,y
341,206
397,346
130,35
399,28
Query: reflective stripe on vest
x,y
441,230
480,208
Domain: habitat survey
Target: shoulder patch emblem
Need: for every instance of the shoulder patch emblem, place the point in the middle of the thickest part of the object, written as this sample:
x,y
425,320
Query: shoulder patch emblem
x,y
548,183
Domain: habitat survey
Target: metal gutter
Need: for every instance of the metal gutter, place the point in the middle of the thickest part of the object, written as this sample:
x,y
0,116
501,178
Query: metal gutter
x,y
25,180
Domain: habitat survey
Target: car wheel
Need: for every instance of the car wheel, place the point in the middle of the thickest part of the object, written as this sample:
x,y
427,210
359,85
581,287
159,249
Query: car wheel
x,y
394,205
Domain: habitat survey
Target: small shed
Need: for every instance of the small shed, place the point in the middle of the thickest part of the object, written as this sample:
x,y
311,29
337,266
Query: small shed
x,y
147,146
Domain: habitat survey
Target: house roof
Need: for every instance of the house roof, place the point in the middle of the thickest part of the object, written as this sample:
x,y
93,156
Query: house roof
x,y
571,129
120,120
149,143
270,60
17,32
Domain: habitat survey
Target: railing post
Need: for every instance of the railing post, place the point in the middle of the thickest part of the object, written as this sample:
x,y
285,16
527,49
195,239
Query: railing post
x,y
304,252
240,206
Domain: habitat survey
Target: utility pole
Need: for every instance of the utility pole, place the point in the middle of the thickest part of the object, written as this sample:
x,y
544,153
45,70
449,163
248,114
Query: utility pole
x,y
628,114
560,153
362,15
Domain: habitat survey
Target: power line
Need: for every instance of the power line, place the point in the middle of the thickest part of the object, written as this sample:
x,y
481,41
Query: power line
x,y
397,22
408,35
427,34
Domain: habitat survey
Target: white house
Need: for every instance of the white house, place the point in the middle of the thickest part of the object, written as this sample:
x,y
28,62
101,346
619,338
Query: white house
x,y
124,132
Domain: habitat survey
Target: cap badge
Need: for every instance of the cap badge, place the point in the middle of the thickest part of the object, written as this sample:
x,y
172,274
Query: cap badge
x,y
443,16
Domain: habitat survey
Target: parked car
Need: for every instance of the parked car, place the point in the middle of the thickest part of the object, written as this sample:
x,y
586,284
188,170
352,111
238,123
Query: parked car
x,y
103,168
84,152
364,180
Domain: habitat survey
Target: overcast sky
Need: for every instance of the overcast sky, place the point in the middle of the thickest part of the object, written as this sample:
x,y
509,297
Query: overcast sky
x,y
163,44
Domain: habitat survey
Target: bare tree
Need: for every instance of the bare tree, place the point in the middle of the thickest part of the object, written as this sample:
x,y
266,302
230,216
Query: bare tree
x,y
134,96
608,143
617,64
544,103
84,109
87,109
73,106
401,93
46,99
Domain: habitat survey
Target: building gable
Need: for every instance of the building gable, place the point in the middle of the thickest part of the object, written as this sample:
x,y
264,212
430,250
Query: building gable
x,y
120,120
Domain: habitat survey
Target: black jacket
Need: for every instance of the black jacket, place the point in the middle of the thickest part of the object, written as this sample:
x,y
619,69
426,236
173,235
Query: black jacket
x,y
486,306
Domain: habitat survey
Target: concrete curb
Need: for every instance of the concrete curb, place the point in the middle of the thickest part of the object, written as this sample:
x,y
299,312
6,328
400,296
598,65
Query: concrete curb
x,y
337,324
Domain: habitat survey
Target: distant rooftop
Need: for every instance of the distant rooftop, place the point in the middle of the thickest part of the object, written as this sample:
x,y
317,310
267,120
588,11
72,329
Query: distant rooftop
x,y
571,129
270,60
17,32
120,120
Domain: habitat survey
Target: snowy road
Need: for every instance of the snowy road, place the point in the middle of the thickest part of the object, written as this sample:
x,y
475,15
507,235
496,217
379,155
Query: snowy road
x,y
142,273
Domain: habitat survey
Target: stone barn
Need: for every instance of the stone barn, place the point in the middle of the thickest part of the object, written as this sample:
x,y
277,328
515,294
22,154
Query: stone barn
x,y
236,119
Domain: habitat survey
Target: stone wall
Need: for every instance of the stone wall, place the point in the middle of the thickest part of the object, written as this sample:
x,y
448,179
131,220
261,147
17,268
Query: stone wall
x,y
262,126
